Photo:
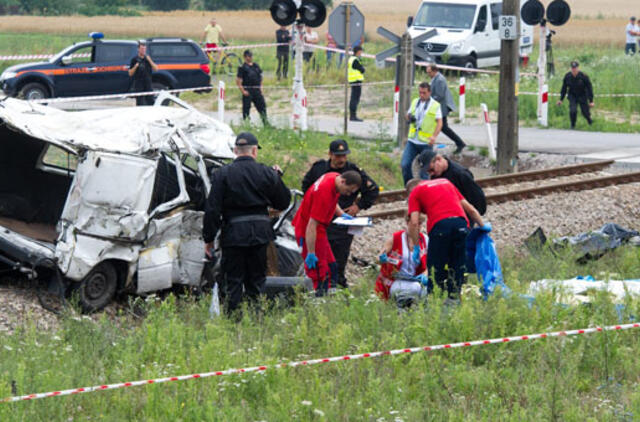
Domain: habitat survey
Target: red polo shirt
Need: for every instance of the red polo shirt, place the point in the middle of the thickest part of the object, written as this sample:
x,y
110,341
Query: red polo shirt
x,y
438,199
319,203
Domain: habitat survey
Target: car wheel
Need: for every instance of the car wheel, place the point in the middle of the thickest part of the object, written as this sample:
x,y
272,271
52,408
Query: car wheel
x,y
34,91
161,86
98,288
470,63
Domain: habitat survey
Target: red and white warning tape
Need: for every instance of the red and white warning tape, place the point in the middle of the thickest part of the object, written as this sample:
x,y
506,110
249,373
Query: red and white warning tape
x,y
245,46
318,361
114,96
38,56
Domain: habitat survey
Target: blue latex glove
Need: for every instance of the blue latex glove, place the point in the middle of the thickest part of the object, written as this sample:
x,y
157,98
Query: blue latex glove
x,y
311,260
424,280
347,216
384,258
486,227
416,253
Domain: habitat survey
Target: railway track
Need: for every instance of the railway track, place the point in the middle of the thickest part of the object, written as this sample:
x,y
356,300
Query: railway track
x,y
506,179
517,195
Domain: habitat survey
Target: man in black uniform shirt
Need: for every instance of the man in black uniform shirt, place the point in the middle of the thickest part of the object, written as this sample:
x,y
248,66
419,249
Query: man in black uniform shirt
x,y
283,36
438,166
240,194
339,238
140,70
580,92
249,80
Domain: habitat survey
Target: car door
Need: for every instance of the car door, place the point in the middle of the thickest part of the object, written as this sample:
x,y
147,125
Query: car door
x,y
112,60
481,36
493,53
78,76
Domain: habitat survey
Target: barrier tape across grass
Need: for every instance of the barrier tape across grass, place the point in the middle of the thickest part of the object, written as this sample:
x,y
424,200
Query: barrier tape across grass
x,y
318,361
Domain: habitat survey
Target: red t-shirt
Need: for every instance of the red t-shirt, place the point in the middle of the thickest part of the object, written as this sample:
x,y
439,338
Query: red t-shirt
x,y
318,203
438,199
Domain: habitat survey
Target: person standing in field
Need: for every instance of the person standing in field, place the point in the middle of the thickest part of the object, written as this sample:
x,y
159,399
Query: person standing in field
x,y
577,87
213,34
283,36
311,38
356,77
249,80
631,32
140,70
331,43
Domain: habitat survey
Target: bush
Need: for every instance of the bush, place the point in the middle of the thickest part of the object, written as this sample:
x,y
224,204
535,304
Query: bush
x,y
243,4
166,4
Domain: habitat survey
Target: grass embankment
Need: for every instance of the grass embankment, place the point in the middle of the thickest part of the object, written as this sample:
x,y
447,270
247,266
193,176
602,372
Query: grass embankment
x,y
592,377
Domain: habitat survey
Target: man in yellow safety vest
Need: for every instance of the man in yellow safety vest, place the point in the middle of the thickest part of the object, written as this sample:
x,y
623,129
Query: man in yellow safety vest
x,y
425,123
356,77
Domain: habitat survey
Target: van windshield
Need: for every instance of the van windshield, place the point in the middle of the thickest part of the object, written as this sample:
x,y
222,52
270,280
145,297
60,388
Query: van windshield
x,y
445,15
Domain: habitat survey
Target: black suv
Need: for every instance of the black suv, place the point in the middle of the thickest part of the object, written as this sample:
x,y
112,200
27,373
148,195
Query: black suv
x,y
100,67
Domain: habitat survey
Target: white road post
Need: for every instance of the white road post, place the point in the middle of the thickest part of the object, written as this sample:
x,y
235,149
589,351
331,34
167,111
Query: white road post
x,y
299,99
490,143
461,99
396,109
544,117
221,95
542,67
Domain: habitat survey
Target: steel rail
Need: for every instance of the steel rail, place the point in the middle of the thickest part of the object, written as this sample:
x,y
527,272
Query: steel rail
x,y
506,179
521,194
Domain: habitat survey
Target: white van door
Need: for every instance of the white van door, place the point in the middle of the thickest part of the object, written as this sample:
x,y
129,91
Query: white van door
x,y
481,38
493,54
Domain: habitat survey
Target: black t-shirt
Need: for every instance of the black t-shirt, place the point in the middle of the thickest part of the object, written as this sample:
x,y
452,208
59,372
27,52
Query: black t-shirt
x,y
283,36
462,179
251,75
143,72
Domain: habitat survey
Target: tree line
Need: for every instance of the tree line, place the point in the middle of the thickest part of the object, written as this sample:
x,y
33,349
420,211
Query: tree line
x,y
123,7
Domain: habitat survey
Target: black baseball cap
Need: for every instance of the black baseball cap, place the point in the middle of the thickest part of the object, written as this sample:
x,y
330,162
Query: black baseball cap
x,y
633,18
247,53
247,138
426,157
339,147
575,64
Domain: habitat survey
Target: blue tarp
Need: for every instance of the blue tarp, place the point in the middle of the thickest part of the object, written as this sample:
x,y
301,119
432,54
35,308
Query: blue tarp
x,y
482,258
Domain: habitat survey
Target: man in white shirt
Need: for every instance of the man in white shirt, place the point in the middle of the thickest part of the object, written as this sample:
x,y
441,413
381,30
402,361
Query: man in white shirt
x,y
425,123
631,31
310,37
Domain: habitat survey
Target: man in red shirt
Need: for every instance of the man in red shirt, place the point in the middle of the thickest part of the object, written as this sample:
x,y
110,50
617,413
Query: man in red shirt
x,y
447,227
316,211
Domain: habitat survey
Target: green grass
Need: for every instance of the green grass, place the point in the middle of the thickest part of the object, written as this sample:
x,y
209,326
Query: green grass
x,y
591,377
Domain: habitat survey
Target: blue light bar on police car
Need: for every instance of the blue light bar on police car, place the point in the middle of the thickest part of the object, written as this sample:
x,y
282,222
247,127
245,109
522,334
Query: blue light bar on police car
x,y
96,35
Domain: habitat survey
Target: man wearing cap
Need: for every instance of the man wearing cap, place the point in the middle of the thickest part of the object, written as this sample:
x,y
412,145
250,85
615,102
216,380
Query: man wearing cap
x,y
317,210
140,70
631,31
241,194
249,80
356,77
438,167
425,122
338,235
577,87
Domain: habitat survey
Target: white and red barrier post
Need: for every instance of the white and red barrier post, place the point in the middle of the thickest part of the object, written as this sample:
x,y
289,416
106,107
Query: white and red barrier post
x,y
487,122
221,95
544,106
396,109
461,99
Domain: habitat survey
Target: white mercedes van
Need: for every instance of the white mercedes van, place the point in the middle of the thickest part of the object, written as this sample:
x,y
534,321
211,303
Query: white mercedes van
x,y
467,31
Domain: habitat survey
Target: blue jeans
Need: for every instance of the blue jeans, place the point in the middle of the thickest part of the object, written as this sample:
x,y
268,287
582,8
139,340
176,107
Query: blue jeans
x,y
411,151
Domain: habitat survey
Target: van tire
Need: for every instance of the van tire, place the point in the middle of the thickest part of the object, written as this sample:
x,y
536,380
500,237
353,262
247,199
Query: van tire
x,y
98,288
161,86
34,91
470,63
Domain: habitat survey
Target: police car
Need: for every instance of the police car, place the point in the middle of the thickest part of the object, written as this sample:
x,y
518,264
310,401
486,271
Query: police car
x,y
100,67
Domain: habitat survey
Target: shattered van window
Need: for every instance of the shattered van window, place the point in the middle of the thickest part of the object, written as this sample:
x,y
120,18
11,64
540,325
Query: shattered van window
x,y
59,158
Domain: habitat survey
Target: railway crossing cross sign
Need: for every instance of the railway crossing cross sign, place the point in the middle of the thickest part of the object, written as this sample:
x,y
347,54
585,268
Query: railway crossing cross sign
x,y
393,51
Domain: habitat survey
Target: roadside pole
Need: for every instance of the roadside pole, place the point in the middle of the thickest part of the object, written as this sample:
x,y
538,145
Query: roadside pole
x,y
221,97
508,96
347,48
542,65
405,82
299,99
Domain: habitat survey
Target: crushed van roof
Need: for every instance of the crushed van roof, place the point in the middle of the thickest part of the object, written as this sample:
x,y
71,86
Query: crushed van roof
x,y
129,130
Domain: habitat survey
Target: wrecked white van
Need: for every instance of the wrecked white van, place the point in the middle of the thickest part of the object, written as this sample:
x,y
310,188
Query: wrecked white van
x,y
109,200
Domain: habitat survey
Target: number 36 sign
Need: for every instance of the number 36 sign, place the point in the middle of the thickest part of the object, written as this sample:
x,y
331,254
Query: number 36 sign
x,y
508,27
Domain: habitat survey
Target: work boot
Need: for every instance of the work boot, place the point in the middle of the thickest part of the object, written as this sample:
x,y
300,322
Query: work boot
x,y
355,118
459,148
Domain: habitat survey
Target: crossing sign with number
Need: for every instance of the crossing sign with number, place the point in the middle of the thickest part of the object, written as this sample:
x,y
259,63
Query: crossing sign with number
x,y
508,27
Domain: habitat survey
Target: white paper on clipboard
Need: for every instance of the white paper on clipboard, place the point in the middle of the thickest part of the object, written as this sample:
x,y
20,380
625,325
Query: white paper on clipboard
x,y
356,225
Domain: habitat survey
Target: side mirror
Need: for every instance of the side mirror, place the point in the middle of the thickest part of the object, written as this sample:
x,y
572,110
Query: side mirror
x,y
480,25
409,21
66,60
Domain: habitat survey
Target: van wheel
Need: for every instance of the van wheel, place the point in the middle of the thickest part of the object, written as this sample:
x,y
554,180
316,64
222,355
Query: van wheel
x,y
34,91
470,63
98,288
161,86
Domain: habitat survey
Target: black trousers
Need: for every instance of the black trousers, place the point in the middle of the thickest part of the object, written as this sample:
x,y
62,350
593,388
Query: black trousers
x,y
255,97
245,270
450,133
447,249
356,91
283,64
143,85
340,242
573,109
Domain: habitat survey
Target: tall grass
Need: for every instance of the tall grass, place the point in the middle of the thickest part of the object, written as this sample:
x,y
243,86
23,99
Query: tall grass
x,y
592,377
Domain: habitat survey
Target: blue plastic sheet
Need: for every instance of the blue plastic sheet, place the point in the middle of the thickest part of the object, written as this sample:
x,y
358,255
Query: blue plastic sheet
x,y
483,259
